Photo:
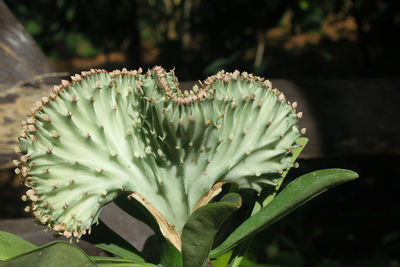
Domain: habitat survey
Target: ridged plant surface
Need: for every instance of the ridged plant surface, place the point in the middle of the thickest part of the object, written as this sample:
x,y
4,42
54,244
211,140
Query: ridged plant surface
x,y
105,133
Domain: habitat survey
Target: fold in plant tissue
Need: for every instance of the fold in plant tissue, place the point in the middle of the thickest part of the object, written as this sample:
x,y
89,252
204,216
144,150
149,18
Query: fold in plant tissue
x,y
105,133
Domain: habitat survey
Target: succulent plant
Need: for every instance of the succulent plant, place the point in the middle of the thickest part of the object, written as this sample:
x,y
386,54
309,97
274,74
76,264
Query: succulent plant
x,y
103,134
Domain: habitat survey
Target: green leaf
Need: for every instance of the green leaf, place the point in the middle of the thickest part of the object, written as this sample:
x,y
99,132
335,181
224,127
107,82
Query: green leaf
x,y
118,262
248,200
222,260
238,253
104,238
122,264
302,142
12,245
249,263
57,253
199,231
294,195
169,255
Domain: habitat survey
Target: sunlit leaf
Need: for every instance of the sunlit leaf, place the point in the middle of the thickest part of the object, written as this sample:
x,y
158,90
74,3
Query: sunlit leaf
x,y
12,245
57,253
199,231
294,195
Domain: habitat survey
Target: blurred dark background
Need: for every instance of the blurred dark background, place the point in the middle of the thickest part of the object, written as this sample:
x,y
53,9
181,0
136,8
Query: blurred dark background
x,y
275,38
341,55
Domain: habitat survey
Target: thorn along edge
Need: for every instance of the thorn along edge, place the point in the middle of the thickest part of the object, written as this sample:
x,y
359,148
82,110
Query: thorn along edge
x,y
34,124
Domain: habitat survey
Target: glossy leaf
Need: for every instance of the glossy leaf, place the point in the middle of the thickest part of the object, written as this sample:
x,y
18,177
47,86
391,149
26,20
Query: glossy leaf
x,y
294,195
118,262
12,245
169,255
57,253
238,253
199,231
122,264
302,142
222,260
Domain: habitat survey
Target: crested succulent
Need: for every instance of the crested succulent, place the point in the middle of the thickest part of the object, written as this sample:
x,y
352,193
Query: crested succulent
x,y
127,133
105,133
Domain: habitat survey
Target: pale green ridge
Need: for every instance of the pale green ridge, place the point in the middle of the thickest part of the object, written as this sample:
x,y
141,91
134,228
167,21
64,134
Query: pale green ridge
x,y
105,133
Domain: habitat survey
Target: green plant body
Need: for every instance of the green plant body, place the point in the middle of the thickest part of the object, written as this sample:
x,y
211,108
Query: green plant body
x,y
134,134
